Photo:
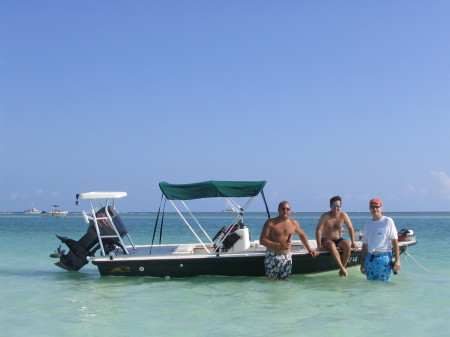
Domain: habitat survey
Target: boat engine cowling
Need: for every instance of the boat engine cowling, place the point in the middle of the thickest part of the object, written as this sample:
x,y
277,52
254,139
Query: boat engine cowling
x,y
79,250
405,234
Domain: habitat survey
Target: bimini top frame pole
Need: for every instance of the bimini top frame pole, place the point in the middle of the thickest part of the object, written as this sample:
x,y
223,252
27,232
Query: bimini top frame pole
x,y
189,226
235,221
233,205
196,221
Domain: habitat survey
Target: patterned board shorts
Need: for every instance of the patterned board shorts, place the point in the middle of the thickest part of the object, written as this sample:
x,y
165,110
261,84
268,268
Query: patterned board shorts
x,y
378,266
278,265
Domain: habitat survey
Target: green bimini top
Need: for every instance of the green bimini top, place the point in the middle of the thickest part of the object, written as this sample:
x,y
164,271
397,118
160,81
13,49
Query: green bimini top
x,y
211,189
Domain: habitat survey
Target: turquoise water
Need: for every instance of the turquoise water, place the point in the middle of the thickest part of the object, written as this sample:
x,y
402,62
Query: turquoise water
x,y
39,299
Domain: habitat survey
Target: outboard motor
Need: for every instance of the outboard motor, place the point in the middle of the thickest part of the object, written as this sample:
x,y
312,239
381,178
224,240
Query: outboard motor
x,y
404,234
79,250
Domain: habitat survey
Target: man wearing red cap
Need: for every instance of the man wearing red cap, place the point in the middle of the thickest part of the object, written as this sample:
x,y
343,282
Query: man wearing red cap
x,y
379,241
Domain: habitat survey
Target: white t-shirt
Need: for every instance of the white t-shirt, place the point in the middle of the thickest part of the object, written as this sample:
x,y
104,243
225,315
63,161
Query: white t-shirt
x,y
378,234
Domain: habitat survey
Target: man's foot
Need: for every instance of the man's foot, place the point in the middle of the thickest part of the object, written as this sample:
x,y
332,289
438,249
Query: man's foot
x,y
343,272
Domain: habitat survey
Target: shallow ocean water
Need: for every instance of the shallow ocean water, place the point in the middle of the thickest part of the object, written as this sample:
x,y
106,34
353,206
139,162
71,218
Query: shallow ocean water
x,y
40,299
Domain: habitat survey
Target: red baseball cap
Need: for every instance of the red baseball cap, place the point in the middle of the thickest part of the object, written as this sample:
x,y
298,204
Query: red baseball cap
x,y
375,201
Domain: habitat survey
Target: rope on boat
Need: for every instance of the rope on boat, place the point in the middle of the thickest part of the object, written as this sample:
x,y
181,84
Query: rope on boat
x,y
406,252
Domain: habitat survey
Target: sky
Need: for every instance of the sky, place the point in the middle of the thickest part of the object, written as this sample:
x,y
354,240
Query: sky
x,y
318,98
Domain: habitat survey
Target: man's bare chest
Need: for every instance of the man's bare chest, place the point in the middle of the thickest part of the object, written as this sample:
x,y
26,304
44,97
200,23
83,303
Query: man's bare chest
x,y
334,223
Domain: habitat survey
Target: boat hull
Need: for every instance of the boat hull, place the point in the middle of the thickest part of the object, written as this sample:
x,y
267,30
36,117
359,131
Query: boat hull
x,y
221,265
61,214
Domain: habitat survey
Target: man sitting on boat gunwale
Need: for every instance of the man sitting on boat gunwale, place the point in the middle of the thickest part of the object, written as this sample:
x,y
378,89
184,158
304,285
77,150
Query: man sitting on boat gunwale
x,y
276,237
329,231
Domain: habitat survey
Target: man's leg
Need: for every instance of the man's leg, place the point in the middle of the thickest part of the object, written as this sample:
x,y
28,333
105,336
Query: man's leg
x,y
346,251
330,245
270,263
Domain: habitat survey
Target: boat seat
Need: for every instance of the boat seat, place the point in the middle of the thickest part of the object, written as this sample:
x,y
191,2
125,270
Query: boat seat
x,y
312,244
259,246
184,249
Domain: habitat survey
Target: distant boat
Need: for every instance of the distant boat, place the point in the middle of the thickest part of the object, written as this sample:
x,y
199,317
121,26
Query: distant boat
x,y
55,212
33,210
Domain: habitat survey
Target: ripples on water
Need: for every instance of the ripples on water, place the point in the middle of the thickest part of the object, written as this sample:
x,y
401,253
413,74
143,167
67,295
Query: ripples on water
x,y
39,299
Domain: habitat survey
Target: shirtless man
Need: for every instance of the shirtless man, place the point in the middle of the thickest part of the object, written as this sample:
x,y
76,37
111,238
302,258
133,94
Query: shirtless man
x,y
276,236
329,234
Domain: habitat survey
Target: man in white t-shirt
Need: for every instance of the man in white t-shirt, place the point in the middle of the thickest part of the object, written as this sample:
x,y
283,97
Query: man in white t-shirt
x,y
379,241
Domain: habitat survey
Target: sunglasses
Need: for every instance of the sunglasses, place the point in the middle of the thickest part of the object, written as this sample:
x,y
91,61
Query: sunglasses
x,y
285,209
335,206
375,207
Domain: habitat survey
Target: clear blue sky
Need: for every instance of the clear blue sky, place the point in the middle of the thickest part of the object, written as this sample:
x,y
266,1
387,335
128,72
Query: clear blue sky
x,y
319,98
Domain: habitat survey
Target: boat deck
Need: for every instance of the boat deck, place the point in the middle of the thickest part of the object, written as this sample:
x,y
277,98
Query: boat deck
x,y
194,250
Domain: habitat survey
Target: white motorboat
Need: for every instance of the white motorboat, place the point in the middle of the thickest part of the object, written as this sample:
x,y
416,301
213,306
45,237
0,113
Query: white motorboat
x,y
33,210
229,253
55,212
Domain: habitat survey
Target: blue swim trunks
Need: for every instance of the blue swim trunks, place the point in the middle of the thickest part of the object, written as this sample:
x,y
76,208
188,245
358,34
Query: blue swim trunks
x,y
278,265
378,266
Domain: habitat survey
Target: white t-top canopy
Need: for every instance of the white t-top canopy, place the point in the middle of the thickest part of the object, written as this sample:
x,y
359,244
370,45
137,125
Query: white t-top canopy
x,y
102,195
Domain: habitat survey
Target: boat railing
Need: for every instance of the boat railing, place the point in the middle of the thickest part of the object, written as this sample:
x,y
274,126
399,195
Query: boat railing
x,y
97,217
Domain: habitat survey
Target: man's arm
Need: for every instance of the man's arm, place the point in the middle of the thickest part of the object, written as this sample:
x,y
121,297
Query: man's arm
x,y
363,257
304,239
396,251
350,229
319,232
